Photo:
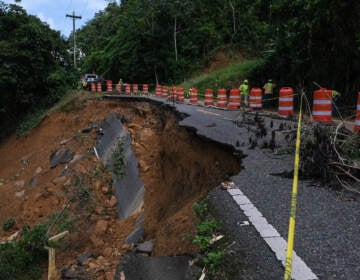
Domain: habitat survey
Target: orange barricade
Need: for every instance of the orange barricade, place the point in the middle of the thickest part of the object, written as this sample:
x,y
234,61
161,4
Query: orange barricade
x,y
322,105
180,94
193,96
93,87
109,86
173,93
209,93
255,99
234,99
158,91
128,89
135,88
286,101
357,121
221,97
164,92
98,87
145,89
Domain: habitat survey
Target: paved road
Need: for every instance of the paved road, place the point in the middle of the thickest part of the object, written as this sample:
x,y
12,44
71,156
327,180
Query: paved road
x,y
328,223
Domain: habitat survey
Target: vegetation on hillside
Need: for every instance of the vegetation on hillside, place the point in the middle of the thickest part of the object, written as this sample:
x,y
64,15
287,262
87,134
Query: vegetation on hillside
x,y
34,70
166,41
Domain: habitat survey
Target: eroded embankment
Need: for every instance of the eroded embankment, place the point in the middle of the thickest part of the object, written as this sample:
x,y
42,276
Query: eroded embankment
x,y
176,167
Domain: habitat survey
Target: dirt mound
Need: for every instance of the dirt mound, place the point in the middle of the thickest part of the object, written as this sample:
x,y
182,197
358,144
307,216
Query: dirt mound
x,y
175,166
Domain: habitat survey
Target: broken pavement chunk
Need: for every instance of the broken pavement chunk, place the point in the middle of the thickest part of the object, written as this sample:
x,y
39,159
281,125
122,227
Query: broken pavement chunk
x,y
61,156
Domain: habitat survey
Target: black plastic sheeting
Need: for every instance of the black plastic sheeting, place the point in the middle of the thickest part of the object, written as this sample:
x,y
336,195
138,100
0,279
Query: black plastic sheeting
x,y
129,189
137,267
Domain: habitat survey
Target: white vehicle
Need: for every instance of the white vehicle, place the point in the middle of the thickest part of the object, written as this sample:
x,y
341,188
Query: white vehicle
x,y
91,78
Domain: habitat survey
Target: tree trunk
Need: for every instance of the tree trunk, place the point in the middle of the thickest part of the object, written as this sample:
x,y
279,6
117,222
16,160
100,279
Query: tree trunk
x,y
234,18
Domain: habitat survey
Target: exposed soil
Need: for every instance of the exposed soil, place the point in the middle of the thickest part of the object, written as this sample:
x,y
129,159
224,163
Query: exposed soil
x,y
177,168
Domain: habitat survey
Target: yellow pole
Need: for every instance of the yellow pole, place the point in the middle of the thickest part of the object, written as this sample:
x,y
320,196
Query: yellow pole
x,y
291,233
51,268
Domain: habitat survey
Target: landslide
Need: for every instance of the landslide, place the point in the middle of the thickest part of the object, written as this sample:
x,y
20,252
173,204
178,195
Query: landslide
x,y
177,168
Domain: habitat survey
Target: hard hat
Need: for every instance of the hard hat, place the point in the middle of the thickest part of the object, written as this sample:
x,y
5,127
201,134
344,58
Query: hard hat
x,y
270,81
245,81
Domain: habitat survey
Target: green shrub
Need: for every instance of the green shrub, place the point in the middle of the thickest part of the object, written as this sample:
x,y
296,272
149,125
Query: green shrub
x,y
214,259
208,226
22,259
8,224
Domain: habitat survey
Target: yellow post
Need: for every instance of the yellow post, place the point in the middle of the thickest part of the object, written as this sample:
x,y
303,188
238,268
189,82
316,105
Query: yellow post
x,y
291,233
51,269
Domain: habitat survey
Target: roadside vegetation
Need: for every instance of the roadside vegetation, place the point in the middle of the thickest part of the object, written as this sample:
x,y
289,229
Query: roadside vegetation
x,y
24,257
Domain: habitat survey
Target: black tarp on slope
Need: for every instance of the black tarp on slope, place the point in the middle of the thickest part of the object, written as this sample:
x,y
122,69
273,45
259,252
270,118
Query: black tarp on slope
x,y
129,189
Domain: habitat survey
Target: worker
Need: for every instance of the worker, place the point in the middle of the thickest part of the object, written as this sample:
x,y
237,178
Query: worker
x,y
121,83
268,92
244,94
335,96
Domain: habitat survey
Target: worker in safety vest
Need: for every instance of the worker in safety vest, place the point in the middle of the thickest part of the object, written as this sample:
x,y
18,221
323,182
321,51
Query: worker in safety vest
x,y
268,92
121,83
335,95
244,94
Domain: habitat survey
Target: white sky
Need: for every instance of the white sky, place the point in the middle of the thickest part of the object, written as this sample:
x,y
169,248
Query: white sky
x,y
53,12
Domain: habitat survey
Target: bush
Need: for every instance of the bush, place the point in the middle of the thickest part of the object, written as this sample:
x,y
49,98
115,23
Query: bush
x,y
8,224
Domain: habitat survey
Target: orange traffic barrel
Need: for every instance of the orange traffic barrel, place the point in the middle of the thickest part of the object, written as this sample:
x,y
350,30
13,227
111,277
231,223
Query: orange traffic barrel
x,y
357,121
255,99
93,87
173,93
109,86
164,92
193,96
158,91
322,105
118,87
234,99
128,89
145,89
286,101
135,88
180,94
98,87
221,97
209,93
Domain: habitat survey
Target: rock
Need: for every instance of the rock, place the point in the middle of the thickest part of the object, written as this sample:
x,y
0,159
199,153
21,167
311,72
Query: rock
x,y
61,156
112,202
109,275
20,194
99,210
19,184
87,129
97,185
68,274
33,181
76,158
97,242
107,252
101,227
67,183
105,190
83,258
38,170
93,265
127,247
59,180
145,247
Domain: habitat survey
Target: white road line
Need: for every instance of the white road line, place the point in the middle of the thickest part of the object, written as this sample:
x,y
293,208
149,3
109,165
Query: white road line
x,y
300,271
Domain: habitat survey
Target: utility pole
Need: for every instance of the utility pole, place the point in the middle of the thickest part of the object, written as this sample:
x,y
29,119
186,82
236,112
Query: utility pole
x,y
74,17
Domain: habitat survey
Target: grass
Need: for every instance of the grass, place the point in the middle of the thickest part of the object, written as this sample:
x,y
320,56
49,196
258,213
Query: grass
x,y
228,77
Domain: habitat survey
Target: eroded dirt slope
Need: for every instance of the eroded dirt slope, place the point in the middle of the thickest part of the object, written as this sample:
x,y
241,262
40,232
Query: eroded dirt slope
x,y
176,167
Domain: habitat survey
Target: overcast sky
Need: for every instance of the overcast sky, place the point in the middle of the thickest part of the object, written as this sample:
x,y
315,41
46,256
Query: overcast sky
x,y
54,12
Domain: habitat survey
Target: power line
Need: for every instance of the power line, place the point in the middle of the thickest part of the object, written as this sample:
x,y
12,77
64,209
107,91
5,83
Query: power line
x,y
74,17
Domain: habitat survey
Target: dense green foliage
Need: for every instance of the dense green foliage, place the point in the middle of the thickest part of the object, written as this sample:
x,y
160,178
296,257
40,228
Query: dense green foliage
x,y
166,41
33,58
163,40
